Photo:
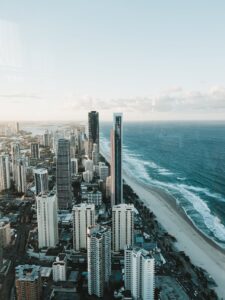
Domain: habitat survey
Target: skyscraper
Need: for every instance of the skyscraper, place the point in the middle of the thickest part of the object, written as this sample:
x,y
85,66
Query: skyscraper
x,y
99,259
28,282
21,180
93,131
59,268
41,180
116,160
47,220
63,175
34,149
83,217
15,152
139,273
122,226
4,173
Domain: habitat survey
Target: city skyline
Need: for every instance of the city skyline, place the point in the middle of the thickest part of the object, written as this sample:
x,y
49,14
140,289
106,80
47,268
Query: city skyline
x,y
156,62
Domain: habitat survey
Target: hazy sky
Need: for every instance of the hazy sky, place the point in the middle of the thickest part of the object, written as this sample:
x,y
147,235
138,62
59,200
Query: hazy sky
x,y
149,59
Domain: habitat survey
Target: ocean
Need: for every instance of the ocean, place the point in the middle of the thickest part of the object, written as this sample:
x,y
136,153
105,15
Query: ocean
x,y
185,159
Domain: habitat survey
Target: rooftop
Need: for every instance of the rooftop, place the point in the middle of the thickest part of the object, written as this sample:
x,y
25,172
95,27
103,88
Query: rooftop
x,y
27,272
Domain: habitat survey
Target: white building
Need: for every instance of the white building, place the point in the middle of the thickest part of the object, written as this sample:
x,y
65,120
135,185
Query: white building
x,y
4,172
103,171
88,176
5,234
83,217
94,197
74,166
47,220
59,268
99,258
89,165
95,154
122,226
41,180
139,273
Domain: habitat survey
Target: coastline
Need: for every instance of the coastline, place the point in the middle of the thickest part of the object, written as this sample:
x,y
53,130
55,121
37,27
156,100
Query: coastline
x,y
203,251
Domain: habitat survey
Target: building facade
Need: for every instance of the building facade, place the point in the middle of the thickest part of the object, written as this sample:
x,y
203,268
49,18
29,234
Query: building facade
x,y
28,282
47,220
99,259
83,217
116,160
139,273
63,175
4,173
93,131
122,226
59,268
41,180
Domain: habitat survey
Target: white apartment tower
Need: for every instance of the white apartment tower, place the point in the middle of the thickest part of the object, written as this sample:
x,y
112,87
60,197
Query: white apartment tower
x,y
122,226
4,172
99,259
139,273
83,217
59,268
47,220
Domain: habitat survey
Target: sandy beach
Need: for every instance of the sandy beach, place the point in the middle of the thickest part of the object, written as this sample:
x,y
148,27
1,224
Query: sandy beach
x,y
202,251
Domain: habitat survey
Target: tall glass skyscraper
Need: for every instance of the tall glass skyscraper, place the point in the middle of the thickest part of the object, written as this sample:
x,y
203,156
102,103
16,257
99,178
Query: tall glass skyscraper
x,y
116,160
93,131
63,175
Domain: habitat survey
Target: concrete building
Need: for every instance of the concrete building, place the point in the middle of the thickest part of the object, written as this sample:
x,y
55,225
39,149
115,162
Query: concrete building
x,y
83,217
103,171
94,197
4,173
21,176
59,268
122,226
34,150
15,152
139,273
5,234
93,131
88,176
46,139
95,154
99,259
89,165
28,282
63,175
74,166
116,160
47,220
41,180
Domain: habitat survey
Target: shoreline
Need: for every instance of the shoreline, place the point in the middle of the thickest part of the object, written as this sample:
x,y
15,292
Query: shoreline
x,y
203,251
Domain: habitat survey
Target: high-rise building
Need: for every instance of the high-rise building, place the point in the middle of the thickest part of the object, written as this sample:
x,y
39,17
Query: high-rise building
x,y
94,197
47,220
103,171
21,180
95,154
99,259
63,175
93,131
74,166
41,180
116,160
17,127
139,273
5,233
83,217
15,152
88,176
4,172
34,149
28,282
59,268
46,139
122,226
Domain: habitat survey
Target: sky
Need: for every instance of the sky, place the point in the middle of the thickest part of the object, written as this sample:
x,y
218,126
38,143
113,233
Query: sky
x,y
151,60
